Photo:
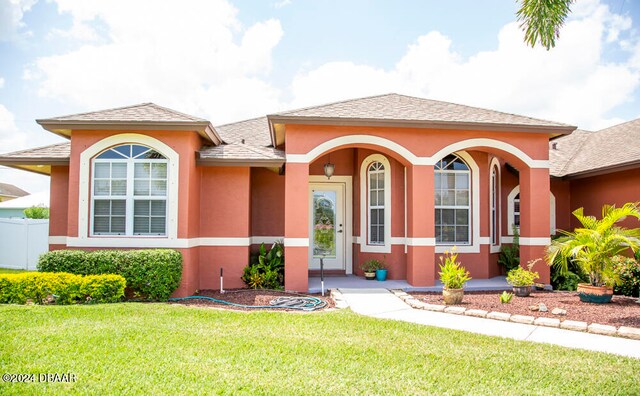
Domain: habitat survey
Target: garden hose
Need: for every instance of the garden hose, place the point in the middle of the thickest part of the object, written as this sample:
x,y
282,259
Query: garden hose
x,y
299,303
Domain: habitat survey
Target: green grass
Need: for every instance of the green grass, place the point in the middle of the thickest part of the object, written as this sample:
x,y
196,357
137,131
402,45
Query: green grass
x,y
11,271
171,349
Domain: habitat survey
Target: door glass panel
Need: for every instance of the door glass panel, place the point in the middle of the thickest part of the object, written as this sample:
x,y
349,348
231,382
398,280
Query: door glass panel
x,y
324,222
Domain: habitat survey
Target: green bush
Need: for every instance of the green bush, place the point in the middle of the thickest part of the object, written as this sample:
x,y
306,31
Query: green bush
x,y
151,274
266,270
509,256
627,270
36,212
60,288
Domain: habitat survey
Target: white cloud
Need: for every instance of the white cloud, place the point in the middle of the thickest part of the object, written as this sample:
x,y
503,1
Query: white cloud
x,y
1,82
11,138
281,3
572,83
11,13
174,54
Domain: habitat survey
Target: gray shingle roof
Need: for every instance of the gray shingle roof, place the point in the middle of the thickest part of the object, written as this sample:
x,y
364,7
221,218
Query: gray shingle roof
x,y
144,112
395,107
60,151
254,132
9,190
615,146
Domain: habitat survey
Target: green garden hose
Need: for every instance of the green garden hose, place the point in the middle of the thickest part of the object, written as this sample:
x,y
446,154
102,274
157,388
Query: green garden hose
x,y
299,303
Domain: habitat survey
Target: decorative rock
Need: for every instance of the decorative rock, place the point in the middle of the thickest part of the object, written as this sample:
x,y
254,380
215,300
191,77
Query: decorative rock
x,y
534,307
559,311
499,316
548,322
542,307
434,307
629,332
479,313
522,319
601,329
413,303
455,310
573,325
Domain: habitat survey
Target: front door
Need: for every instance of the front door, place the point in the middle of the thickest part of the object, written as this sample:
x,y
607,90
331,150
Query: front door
x,y
326,228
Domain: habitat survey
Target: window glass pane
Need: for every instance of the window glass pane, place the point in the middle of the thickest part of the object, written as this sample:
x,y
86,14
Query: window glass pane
x,y
159,171
137,150
381,234
462,180
516,220
118,207
152,154
438,197
438,217
141,208
374,234
437,180
158,188
438,233
158,208
459,165
373,198
381,217
462,234
381,198
448,197
462,216
118,187
448,180
142,170
516,205
110,154
141,187
101,170
380,180
448,216
124,150
100,225
118,224
101,187
118,170
158,225
101,207
448,234
374,216
140,225
462,198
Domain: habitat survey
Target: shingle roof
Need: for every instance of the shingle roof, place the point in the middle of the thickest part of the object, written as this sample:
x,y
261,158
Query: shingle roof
x,y
60,151
144,112
254,132
395,107
9,190
564,149
615,146
240,152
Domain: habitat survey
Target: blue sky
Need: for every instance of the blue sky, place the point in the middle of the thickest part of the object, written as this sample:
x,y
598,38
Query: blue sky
x,y
230,60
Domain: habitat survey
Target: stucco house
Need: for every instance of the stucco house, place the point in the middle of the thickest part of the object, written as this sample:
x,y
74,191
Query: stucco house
x,y
409,179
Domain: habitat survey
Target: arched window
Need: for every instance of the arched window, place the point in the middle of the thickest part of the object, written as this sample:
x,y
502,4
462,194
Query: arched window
x,y
513,211
376,202
495,205
452,201
129,191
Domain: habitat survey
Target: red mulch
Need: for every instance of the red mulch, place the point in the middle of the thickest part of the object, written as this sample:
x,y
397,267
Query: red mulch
x,y
622,311
250,297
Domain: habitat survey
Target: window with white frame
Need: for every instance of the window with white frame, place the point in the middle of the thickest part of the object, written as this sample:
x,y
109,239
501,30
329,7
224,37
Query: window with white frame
x,y
452,201
516,211
129,192
495,200
376,202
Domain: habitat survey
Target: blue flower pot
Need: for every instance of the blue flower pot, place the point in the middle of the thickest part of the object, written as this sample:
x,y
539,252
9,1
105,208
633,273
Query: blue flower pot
x,y
381,275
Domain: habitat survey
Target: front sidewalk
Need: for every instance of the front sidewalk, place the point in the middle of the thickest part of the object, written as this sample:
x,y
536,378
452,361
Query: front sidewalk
x,y
381,303
497,283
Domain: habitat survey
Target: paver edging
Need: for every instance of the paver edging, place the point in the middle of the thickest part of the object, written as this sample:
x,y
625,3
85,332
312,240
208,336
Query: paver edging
x,y
572,325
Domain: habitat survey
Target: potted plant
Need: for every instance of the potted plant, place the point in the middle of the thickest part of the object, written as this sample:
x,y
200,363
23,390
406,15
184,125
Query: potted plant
x,y
592,247
381,272
453,277
521,279
369,267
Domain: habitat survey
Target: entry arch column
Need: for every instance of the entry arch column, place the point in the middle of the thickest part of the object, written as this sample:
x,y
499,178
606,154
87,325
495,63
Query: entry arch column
x,y
420,238
535,190
296,227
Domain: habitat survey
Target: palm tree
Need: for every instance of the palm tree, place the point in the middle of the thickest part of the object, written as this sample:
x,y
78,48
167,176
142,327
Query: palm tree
x,y
541,20
593,245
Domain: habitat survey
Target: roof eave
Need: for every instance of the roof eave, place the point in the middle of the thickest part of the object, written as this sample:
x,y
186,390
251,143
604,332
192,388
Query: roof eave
x,y
603,171
254,163
552,130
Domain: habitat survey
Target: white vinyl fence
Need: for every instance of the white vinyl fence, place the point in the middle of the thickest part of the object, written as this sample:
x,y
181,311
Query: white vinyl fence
x,y
22,241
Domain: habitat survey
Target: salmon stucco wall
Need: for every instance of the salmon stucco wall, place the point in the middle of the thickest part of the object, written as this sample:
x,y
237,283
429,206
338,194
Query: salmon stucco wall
x,y
267,203
59,200
617,188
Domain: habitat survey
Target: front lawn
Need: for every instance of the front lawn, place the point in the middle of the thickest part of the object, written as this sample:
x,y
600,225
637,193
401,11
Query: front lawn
x,y
138,348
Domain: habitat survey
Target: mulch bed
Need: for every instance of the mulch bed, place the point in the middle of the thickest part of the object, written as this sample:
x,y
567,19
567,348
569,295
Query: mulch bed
x,y
622,311
251,297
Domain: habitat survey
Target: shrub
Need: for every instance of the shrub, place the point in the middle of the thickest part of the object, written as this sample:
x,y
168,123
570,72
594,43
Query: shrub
x,y
505,298
510,254
453,275
627,270
266,270
151,274
372,265
61,288
36,212
522,277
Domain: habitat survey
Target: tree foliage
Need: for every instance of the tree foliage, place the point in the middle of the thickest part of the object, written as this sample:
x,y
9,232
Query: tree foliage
x,y
541,20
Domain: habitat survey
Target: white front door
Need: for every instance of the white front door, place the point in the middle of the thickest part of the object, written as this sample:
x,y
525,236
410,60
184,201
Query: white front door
x,y
327,225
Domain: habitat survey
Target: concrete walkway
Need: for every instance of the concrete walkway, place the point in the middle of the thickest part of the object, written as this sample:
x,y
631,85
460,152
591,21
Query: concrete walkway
x,y
498,283
380,303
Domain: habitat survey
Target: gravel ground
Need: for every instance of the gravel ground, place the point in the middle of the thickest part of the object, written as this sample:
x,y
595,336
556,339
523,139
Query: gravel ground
x,y
250,297
622,311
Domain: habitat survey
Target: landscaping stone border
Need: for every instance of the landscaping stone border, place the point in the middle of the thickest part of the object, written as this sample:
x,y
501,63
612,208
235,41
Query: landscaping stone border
x,y
595,328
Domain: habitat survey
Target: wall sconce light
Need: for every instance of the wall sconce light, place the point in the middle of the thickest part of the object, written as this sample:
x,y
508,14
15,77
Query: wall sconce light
x,y
328,169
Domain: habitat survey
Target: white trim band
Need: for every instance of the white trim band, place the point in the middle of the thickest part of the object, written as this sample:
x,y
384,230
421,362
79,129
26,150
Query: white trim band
x,y
535,241
296,242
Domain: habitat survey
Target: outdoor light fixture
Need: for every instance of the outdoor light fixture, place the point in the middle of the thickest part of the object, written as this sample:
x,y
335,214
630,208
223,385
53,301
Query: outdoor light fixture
x,y
328,169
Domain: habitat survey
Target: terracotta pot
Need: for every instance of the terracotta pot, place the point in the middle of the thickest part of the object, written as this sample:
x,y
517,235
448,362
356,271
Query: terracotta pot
x,y
522,291
594,294
452,296
370,275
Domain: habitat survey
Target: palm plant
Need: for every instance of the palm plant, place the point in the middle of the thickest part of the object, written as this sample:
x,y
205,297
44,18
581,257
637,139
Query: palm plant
x,y
593,246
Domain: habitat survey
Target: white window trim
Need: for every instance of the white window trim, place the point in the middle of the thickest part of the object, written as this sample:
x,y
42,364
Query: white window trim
x,y
364,207
511,211
474,247
129,197
84,199
495,164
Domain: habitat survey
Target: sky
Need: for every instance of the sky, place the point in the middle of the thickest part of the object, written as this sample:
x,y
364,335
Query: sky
x,y
229,60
